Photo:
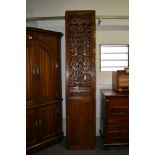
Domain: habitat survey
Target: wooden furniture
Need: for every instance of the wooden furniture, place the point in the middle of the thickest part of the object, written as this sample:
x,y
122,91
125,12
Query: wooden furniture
x,y
114,123
80,79
43,88
120,81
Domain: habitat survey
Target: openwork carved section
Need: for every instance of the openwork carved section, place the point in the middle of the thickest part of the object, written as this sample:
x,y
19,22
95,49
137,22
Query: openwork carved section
x,y
80,51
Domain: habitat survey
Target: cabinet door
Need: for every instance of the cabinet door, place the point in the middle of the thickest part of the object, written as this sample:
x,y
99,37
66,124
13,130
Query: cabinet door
x,y
48,121
31,72
29,51
31,127
49,69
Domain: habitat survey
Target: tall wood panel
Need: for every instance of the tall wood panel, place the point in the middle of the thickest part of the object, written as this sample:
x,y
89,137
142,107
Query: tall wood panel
x,y
80,79
43,88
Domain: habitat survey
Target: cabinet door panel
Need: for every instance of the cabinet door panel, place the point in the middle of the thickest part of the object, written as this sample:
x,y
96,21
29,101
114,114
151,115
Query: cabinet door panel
x,y
28,72
29,51
31,80
48,121
49,72
31,127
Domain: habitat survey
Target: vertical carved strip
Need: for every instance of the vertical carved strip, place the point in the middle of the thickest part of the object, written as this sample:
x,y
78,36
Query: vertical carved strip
x,y
81,55
80,79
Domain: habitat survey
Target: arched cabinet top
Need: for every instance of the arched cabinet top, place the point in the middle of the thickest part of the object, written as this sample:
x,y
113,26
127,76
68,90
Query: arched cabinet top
x,y
42,31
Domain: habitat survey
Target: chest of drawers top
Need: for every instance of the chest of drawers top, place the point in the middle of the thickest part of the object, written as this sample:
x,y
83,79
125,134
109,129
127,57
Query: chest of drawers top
x,y
109,92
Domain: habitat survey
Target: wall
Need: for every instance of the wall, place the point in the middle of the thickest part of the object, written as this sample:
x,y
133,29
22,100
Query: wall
x,y
45,8
110,31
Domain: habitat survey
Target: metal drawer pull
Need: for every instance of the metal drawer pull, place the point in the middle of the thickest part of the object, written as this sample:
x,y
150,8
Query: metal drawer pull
x,y
38,71
107,100
33,71
29,37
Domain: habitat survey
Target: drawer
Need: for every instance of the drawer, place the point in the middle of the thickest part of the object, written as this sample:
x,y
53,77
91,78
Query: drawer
x,y
117,134
116,140
118,120
117,102
116,128
118,111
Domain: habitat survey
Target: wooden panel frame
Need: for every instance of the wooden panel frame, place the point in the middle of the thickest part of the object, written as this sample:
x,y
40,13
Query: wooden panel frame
x,y
81,69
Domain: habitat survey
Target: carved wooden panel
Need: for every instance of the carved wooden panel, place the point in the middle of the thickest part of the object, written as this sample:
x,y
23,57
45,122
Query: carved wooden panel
x,y
80,76
80,124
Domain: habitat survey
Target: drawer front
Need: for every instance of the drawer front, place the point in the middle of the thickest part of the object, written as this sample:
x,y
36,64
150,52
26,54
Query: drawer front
x,y
117,102
118,127
118,121
118,131
117,112
117,134
116,140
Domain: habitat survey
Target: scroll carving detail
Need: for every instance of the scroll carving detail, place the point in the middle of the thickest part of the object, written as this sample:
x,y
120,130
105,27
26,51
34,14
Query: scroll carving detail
x,y
80,60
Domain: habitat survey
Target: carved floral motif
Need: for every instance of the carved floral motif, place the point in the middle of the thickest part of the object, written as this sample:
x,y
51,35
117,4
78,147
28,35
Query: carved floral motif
x,y
80,60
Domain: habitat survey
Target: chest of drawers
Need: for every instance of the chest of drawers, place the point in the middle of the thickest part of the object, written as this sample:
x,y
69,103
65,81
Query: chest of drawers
x,y
114,122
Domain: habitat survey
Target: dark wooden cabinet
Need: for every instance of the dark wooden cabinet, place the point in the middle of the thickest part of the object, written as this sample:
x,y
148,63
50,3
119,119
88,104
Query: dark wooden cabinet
x,y
114,123
80,79
43,88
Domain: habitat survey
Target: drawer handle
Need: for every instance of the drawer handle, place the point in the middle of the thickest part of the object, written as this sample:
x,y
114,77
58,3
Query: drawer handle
x,y
30,37
38,72
107,100
33,71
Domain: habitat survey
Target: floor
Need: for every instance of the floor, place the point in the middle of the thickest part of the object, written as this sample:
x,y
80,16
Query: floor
x,y
60,149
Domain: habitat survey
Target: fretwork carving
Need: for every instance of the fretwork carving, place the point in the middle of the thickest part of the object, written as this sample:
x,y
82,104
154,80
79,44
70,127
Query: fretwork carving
x,y
80,48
